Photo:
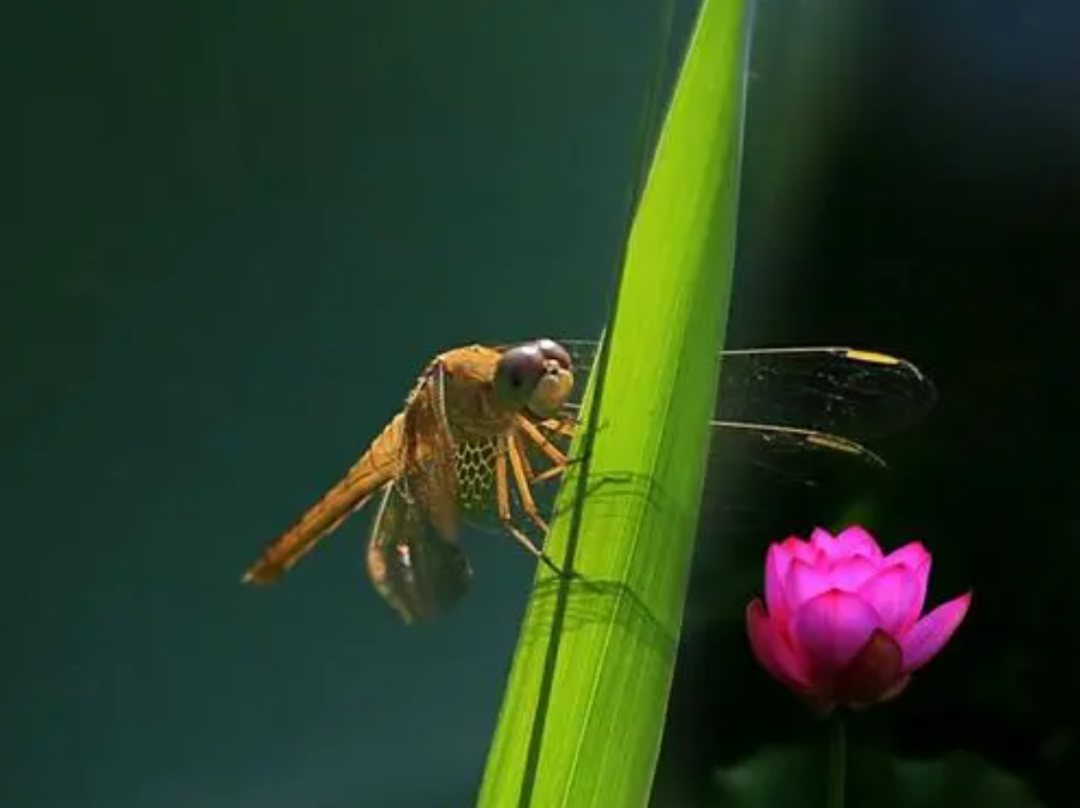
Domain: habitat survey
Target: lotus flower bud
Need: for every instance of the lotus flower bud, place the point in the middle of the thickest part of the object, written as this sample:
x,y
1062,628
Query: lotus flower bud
x,y
841,620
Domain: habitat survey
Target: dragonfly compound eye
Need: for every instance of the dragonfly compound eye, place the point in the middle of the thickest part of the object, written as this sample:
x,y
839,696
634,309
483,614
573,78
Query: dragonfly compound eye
x,y
516,375
553,350
536,376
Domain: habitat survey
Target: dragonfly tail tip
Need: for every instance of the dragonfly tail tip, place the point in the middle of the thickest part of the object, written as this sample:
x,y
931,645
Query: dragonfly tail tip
x,y
259,576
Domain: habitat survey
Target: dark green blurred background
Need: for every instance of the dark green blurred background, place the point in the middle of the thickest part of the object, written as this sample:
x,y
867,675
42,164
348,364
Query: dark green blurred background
x,y
235,232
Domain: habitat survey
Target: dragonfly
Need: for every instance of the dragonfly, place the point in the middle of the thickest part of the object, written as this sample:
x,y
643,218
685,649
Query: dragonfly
x,y
481,420
464,437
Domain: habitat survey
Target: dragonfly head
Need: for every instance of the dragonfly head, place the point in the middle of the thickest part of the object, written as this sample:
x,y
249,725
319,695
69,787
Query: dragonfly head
x,y
534,376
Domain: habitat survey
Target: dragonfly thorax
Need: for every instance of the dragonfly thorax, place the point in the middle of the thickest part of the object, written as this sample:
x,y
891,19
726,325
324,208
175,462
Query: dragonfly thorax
x,y
474,461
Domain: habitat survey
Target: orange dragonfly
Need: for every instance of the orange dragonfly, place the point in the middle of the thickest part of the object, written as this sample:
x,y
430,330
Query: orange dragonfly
x,y
479,418
468,428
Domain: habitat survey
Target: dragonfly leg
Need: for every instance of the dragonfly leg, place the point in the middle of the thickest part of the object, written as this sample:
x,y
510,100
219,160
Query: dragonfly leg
x,y
521,481
502,496
526,466
552,472
565,425
552,452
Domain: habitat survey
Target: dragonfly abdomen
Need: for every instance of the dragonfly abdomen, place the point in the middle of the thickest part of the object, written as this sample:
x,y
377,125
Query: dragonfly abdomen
x,y
380,464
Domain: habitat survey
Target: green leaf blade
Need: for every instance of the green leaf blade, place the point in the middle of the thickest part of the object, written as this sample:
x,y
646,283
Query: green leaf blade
x,y
583,716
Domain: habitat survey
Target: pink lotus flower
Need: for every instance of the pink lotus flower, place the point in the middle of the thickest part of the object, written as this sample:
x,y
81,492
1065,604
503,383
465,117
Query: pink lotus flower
x,y
840,623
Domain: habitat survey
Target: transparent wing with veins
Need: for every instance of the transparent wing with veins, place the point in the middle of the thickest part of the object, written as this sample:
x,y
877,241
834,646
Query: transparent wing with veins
x,y
820,400
428,472
417,572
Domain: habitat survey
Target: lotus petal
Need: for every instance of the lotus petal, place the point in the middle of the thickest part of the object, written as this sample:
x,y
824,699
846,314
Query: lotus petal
x,y
832,628
856,541
851,573
894,593
923,641
773,649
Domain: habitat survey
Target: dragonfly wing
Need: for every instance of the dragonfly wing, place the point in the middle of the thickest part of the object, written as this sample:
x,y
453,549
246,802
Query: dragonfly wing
x,y
429,475
738,452
860,395
417,573
781,440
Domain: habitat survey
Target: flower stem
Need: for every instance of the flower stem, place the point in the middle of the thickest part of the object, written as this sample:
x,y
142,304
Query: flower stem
x,y
837,761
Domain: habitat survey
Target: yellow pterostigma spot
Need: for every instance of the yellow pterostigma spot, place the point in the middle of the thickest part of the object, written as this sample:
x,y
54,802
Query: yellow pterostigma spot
x,y
872,357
